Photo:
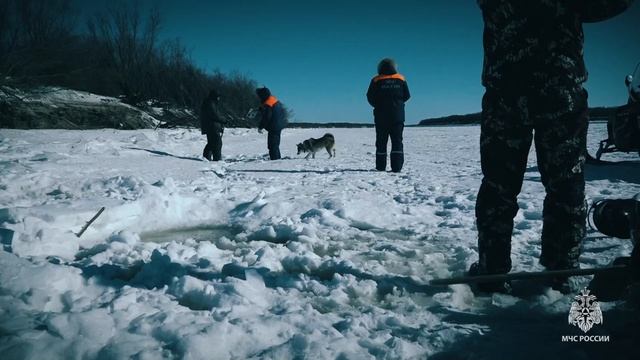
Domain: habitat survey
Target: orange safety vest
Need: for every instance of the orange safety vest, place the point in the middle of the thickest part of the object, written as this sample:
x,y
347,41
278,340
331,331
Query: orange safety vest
x,y
271,100
384,77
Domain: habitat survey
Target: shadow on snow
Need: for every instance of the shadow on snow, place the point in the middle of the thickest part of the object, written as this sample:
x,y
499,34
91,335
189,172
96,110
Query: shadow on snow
x,y
527,331
281,171
162,153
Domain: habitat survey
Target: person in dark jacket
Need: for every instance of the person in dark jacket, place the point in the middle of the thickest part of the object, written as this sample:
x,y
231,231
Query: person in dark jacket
x,y
533,74
388,91
273,119
212,124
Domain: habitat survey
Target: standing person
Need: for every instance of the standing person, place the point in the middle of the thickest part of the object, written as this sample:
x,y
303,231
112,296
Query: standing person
x,y
388,91
212,124
273,119
533,74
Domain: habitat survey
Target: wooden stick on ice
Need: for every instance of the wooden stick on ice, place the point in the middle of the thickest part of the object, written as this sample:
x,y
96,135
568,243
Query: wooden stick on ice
x,y
84,228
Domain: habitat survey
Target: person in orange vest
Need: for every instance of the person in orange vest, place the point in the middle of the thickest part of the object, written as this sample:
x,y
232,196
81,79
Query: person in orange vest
x,y
273,119
388,91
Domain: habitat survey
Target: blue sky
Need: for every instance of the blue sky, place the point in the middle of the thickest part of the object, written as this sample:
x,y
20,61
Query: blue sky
x,y
319,56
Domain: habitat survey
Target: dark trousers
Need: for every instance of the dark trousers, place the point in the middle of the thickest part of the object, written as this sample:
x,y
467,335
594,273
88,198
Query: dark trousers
x,y
213,150
273,143
383,133
507,130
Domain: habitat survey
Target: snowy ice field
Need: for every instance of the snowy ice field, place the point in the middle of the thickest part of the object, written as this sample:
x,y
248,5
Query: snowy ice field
x,y
290,259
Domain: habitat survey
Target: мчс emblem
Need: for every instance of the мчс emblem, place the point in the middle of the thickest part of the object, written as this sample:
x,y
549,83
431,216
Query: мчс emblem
x,y
585,311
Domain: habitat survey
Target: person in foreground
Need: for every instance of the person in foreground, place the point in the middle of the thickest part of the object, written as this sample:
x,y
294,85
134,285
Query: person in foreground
x,y
387,93
273,119
533,74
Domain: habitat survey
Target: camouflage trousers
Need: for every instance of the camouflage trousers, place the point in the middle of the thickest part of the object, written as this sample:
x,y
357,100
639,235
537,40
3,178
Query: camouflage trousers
x,y
559,129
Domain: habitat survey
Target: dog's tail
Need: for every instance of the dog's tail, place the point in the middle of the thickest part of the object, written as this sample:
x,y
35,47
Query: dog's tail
x,y
329,135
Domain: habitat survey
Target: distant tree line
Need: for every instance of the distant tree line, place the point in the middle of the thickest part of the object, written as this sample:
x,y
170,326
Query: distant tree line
x,y
595,114
114,53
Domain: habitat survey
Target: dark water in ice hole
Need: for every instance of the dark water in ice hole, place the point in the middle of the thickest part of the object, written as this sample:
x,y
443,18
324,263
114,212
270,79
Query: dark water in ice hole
x,y
198,233
211,233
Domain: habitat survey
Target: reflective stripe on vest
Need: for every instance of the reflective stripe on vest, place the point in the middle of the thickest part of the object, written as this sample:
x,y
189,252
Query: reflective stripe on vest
x,y
385,77
271,100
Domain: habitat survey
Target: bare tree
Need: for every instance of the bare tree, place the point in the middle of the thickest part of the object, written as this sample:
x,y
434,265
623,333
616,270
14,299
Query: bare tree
x,y
44,22
130,43
118,54
33,34
8,36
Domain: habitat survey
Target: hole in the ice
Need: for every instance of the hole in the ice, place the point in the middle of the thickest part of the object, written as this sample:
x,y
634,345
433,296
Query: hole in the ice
x,y
198,233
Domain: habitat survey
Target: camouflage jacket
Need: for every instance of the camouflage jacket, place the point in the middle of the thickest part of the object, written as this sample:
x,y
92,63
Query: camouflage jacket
x,y
538,44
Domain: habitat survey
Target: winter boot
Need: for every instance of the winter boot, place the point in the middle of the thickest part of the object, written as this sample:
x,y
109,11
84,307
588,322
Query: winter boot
x,y
381,161
561,284
503,287
397,160
207,153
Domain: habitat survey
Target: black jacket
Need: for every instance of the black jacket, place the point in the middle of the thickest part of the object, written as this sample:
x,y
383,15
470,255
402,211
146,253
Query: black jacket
x,y
211,121
273,117
387,94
